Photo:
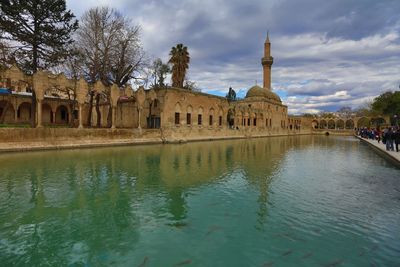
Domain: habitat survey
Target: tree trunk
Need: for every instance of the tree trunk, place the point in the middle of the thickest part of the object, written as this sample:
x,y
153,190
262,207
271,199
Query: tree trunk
x,y
33,109
89,119
149,119
109,116
34,69
71,120
98,111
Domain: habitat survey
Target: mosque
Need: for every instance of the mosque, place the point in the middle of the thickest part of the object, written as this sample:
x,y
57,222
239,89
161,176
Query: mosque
x,y
172,111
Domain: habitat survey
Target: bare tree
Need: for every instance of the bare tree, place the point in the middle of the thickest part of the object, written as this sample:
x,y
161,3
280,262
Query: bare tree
x,y
191,85
159,70
112,49
72,68
345,111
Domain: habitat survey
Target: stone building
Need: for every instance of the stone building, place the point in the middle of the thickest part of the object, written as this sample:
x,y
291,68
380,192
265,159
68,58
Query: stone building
x,y
261,112
176,112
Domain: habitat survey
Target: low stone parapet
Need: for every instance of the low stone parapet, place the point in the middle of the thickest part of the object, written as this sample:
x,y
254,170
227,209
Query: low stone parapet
x,y
23,139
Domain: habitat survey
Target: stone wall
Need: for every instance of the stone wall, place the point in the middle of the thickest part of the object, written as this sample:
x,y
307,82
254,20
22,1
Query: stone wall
x,y
75,135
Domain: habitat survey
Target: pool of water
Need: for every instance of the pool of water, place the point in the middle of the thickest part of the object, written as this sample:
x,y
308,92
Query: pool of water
x,y
281,201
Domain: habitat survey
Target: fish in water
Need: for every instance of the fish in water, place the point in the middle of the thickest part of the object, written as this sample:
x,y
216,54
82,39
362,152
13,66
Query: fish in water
x,y
317,231
285,235
307,255
287,252
374,247
185,262
226,214
144,262
288,237
268,264
362,252
178,224
213,229
293,238
334,263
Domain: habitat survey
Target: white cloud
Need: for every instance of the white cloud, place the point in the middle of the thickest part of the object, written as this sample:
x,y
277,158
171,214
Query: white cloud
x,y
326,56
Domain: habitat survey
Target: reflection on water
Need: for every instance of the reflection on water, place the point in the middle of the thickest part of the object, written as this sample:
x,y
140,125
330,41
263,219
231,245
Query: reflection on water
x,y
298,200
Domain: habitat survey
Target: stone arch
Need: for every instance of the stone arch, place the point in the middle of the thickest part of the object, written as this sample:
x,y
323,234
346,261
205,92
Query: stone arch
x,y
220,116
331,124
315,124
340,124
246,118
269,118
211,116
211,111
154,114
200,110
230,118
239,118
363,122
189,109
253,121
24,112
178,110
126,114
178,107
349,124
323,124
7,112
200,113
220,111
62,115
260,120
47,114
189,115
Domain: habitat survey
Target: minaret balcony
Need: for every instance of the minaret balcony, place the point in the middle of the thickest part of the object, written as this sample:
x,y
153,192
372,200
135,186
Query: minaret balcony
x,y
267,61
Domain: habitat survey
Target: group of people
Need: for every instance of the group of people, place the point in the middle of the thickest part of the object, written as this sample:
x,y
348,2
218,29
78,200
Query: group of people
x,y
390,136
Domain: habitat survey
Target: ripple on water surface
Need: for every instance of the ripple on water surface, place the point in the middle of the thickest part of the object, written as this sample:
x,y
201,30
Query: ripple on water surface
x,y
284,201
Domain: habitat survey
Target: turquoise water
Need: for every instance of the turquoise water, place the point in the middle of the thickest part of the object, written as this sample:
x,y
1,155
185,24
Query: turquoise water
x,y
281,201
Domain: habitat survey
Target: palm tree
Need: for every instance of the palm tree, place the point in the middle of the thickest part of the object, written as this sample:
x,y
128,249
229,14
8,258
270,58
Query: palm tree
x,y
180,63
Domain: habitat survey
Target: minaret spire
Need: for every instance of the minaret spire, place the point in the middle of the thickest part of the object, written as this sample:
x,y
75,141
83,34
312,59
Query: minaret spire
x,y
266,62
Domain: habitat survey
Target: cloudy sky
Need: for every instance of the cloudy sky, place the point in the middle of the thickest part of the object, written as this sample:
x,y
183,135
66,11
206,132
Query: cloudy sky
x,y
327,54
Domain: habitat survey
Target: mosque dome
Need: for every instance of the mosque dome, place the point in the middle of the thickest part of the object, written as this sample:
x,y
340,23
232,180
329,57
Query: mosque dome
x,y
257,91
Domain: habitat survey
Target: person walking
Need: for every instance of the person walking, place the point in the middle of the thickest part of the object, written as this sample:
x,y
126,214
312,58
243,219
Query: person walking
x,y
384,135
378,135
389,140
397,138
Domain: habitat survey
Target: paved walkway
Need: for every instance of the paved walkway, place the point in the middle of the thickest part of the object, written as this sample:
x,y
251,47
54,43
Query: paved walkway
x,y
382,148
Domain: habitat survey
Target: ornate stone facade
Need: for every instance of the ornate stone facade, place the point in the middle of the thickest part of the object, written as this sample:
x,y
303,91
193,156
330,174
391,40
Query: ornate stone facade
x,y
61,101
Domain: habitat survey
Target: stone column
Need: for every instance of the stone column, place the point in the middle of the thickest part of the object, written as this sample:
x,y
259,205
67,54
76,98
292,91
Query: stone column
x,y
16,114
162,122
139,114
70,116
39,113
80,106
53,113
140,98
113,110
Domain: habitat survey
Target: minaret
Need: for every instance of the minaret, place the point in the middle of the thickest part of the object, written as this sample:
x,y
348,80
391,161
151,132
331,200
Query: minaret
x,y
266,62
